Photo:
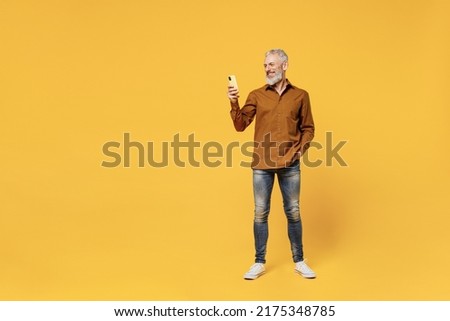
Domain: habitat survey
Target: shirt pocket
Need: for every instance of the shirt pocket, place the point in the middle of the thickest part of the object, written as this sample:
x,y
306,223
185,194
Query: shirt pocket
x,y
291,119
293,113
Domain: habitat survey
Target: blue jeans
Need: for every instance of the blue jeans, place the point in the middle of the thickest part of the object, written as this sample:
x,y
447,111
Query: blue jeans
x,y
289,182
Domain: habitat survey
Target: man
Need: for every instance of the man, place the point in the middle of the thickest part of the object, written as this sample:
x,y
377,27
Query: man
x,y
284,127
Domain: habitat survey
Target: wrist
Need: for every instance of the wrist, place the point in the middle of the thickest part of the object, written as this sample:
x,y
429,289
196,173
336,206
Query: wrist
x,y
234,104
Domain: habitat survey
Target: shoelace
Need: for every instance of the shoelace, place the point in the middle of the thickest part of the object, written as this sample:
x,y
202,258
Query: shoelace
x,y
255,267
302,266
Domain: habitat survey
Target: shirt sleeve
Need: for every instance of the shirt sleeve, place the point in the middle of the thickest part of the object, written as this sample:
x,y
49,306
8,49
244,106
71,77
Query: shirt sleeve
x,y
242,117
306,124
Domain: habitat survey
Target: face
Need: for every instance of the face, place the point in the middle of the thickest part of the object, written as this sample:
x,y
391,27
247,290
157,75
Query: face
x,y
274,68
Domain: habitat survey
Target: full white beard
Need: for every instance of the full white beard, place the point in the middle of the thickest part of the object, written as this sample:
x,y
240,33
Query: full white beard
x,y
276,78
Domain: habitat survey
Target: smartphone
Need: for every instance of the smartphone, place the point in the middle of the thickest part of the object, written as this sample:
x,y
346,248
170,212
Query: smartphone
x,y
232,81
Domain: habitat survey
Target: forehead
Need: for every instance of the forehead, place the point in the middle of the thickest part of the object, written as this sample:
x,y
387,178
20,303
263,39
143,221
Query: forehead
x,y
272,58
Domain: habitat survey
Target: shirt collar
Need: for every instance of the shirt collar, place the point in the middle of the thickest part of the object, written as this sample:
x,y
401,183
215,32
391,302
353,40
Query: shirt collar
x,y
288,84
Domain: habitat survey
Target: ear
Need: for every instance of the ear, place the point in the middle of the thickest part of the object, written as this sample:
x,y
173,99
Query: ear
x,y
285,66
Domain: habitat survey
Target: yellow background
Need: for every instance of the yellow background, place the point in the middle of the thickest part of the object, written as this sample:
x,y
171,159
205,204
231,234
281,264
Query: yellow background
x,y
77,74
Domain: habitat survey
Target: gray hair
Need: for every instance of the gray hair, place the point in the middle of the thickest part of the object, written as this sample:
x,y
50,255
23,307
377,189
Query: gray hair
x,y
279,52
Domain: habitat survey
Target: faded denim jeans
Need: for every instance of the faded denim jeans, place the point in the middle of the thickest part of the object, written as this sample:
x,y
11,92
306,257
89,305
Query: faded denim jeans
x,y
289,182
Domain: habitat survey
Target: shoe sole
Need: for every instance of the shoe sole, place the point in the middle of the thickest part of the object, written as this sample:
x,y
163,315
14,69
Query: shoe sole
x,y
254,277
306,276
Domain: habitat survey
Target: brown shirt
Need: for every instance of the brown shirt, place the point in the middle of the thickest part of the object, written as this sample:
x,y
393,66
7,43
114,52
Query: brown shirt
x,y
284,125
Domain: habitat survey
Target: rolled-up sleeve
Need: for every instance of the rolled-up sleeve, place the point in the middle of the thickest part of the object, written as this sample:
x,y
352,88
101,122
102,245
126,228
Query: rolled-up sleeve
x,y
242,117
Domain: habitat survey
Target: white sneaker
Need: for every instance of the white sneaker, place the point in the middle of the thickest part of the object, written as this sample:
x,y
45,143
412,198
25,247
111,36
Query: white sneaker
x,y
304,270
255,270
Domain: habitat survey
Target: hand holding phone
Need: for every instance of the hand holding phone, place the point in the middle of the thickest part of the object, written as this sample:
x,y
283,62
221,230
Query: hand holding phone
x,y
233,90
